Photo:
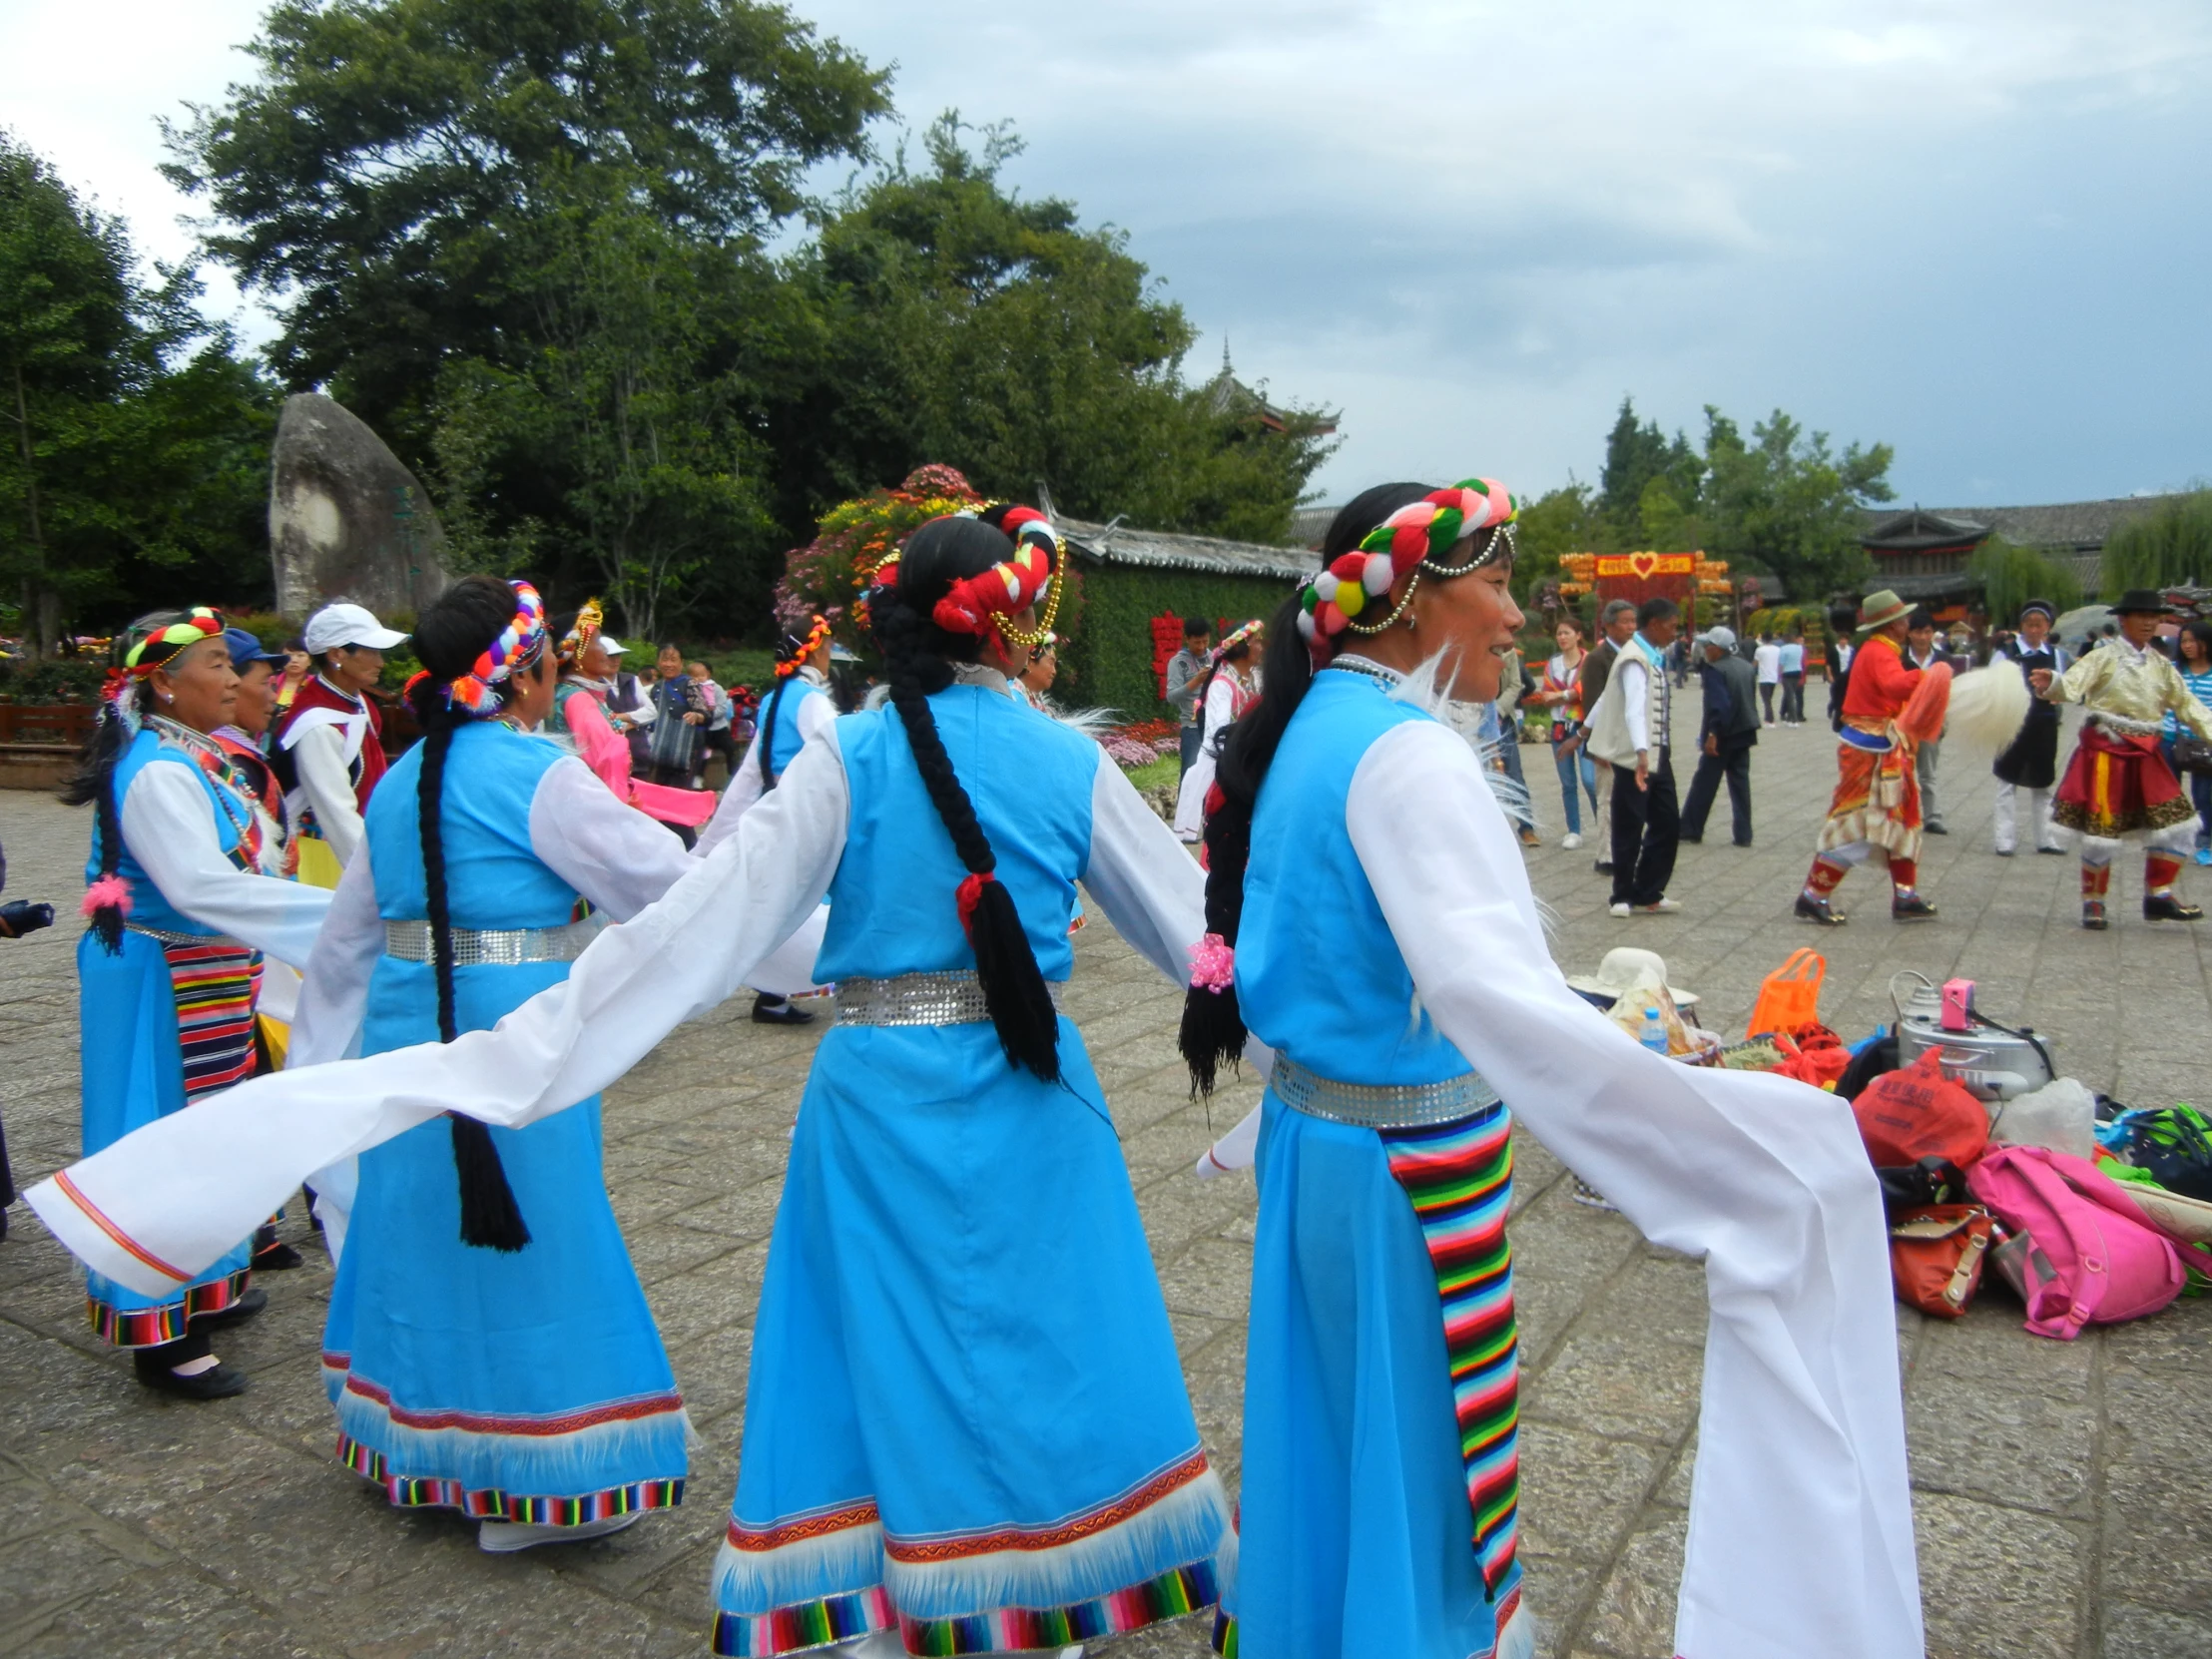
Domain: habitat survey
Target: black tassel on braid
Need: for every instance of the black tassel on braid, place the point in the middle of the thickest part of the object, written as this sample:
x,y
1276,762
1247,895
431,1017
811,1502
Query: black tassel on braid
x,y
450,635
918,657
1213,1029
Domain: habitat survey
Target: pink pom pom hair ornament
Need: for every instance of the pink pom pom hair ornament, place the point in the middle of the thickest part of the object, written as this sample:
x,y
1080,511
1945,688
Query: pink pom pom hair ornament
x,y
108,893
1418,538
1213,964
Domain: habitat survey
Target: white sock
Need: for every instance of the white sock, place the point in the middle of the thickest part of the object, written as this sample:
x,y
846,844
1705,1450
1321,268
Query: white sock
x,y
193,1368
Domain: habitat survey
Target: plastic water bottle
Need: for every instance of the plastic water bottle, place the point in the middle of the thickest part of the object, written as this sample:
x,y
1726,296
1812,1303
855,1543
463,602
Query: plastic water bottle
x,y
1655,1032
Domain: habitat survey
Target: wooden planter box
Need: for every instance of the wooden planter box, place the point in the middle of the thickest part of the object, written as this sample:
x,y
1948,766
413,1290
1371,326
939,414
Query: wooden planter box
x,y
39,742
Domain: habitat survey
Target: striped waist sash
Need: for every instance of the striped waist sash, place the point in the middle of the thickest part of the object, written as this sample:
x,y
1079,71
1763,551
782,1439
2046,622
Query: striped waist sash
x,y
215,980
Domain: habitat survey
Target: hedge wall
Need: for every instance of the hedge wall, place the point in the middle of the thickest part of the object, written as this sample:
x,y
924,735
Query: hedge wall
x,y
1109,662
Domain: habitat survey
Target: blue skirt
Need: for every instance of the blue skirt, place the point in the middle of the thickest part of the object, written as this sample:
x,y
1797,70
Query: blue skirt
x,y
132,1071
524,1387
965,1417
1355,1522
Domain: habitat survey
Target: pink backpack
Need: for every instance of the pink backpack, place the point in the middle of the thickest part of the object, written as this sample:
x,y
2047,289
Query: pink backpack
x,y
2089,1257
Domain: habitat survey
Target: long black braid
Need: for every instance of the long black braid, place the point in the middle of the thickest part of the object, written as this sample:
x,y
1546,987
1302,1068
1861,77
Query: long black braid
x,y
765,742
919,657
448,638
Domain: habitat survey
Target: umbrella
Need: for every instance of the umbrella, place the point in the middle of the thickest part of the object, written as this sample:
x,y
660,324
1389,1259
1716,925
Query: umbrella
x,y
2082,622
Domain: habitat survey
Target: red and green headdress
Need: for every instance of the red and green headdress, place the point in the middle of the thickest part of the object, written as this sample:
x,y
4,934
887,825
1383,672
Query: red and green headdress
x,y
1419,536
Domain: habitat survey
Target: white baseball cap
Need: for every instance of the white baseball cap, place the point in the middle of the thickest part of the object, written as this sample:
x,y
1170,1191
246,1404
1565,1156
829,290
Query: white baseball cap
x,y
612,646
1725,638
346,624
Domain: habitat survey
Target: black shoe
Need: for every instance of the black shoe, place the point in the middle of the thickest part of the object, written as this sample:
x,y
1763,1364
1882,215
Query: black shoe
x,y
1739,844
1689,840
217,1382
2052,852
247,1306
2163,906
777,1010
1604,867
2092,915
1911,907
1818,910
1934,829
278,1258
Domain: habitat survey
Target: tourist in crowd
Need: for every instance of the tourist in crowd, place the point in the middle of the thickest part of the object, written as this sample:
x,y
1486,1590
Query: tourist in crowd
x,y
1634,731
1617,626
297,667
1513,684
331,739
954,1160
486,1324
1187,669
1561,693
719,716
1361,866
2193,656
582,723
2119,783
1036,677
1840,650
2031,762
1790,665
1877,804
797,713
1725,740
678,748
186,894
1766,660
1921,652
1230,681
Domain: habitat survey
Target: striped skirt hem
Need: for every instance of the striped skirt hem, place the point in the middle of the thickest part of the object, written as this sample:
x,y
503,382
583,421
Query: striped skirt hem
x,y
152,1327
575,1509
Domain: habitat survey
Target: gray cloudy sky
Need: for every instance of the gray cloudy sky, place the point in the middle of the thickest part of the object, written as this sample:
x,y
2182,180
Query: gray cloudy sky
x,y
1976,232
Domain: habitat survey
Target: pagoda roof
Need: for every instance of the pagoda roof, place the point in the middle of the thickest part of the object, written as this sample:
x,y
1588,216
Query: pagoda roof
x,y
1919,531
1123,544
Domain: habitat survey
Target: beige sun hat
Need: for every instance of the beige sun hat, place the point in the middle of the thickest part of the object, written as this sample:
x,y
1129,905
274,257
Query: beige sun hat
x,y
1881,607
1624,969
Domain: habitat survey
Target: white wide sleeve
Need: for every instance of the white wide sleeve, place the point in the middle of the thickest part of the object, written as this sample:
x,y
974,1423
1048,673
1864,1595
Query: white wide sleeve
x,y
817,715
169,826
319,756
608,850
159,1206
334,1002
1220,702
1800,1523
1146,881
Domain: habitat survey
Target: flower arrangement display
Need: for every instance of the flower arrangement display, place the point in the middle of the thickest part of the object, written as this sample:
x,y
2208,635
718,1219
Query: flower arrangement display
x,y
827,576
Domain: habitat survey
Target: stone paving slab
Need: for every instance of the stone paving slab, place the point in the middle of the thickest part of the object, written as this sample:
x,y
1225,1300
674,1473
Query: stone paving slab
x,y
2060,1488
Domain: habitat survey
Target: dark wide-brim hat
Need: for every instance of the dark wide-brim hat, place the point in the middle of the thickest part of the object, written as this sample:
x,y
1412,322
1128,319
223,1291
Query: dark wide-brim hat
x,y
2140,602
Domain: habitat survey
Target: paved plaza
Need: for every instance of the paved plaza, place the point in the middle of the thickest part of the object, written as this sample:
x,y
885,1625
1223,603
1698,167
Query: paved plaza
x,y
2063,1490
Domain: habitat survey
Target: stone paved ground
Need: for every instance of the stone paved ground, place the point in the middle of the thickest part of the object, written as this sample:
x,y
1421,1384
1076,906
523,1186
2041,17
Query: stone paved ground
x,y
2061,1488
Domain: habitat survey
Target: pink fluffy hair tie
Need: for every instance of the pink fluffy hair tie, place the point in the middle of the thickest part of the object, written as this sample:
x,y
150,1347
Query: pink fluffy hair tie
x,y
109,891
1213,964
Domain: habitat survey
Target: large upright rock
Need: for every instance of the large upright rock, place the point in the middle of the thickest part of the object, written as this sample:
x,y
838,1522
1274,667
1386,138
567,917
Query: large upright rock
x,y
345,519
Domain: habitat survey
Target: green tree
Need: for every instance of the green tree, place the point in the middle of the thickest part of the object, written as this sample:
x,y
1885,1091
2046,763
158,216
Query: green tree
x,y
961,324
376,174
1639,461
136,468
2168,547
1558,522
2011,574
1787,501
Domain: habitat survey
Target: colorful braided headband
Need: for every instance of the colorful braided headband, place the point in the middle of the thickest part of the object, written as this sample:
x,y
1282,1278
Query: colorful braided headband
x,y
1235,637
1418,537
520,642
791,661
589,621
981,604
148,654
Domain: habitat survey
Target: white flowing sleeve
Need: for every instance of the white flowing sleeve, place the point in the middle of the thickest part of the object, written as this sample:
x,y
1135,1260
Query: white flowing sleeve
x,y
1220,702
1146,881
319,756
1801,1525
816,716
608,850
334,1002
161,1205
169,826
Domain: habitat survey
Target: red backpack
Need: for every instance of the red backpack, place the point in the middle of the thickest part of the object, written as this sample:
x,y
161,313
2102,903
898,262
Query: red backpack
x,y
1905,1116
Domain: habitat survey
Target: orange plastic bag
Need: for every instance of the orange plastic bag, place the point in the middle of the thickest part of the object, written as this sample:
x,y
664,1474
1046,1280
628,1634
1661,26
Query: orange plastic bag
x,y
1790,998
1817,1056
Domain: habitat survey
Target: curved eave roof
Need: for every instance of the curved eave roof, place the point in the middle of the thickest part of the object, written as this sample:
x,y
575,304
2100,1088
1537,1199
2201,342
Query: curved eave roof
x,y
1165,550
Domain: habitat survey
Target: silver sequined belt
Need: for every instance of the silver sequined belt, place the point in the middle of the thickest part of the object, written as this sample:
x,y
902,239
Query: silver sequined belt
x,y
2126,727
1380,1105
917,999
409,941
220,941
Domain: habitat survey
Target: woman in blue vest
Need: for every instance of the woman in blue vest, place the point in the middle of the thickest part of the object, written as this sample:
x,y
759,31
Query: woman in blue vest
x,y
1372,921
186,892
791,716
965,1428
488,1347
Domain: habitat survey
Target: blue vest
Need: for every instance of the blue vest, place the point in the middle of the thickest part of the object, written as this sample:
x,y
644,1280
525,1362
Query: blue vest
x,y
148,908
492,878
785,728
893,903
1319,976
